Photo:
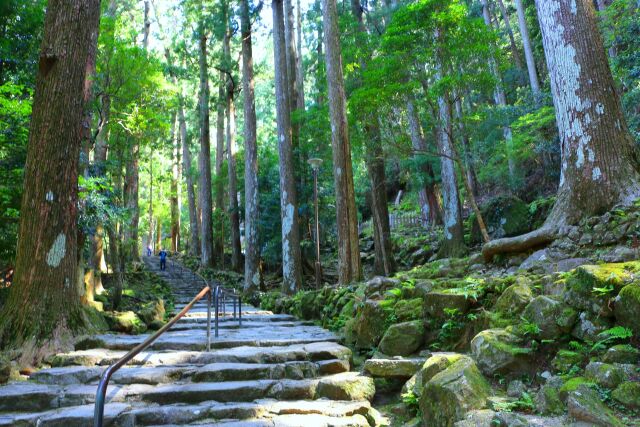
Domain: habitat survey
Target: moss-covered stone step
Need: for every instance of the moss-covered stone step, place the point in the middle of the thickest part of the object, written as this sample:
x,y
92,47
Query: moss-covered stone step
x,y
245,354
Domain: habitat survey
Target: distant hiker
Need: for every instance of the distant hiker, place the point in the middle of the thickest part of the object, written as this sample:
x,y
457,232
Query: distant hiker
x,y
163,259
149,250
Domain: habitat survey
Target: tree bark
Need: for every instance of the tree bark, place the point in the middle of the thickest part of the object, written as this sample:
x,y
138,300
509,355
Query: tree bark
x,y
299,64
291,257
44,300
234,210
470,170
218,243
453,243
430,208
528,51
194,242
175,179
599,161
252,277
206,248
349,266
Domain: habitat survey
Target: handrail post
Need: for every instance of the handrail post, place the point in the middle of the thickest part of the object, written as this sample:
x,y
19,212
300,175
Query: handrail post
x,y
209,320
217,301
240,311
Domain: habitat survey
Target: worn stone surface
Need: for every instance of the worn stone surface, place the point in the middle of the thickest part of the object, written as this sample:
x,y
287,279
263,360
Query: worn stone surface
x,y
627,308
403,339
552,316
497,351
436,302
346,386
393,368
585,405
514,298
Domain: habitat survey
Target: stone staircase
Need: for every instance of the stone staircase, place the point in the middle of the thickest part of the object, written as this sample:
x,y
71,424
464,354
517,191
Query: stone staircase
x,y
272,371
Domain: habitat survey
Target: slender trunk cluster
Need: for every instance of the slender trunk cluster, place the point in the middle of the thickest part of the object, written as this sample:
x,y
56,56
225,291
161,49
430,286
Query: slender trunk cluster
x,y
174,198
194,241
234,210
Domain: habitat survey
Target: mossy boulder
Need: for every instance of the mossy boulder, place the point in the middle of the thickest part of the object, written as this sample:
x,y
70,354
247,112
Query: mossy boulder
x,y
605,374
436,302
550,315
628,394
514,299
153,313
566,359
453,392
403,339
622,353
548,400
435,364
497,351
627,308
585,404
591,287
367,325
589,326
377,286
504,216
346,386
572,384
409,309
309,308
126,321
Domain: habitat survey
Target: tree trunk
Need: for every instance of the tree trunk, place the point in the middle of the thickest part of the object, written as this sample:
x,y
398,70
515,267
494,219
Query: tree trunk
x,y
291,258
453,243
218,243
252,277
512,41
599,161
44,301
194,242
319,69
175,179
299,65
528,51
349,267
206,248
234,210
147,26
430,209
470,170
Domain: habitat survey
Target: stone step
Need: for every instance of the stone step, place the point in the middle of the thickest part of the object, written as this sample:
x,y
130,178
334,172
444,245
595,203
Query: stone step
x,y
345,386
249,317
246,354
267,336
260,412
153,375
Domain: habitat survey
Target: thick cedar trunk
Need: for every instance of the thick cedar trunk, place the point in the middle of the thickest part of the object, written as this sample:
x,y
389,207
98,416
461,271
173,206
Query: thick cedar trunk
x,y
319,68
349,266
175,179
599,160
291,258
299,65
291,54
194,241
150,233
453,243
512,42
528,51
430,209
206,243
132,182
43,302
251,213
234,210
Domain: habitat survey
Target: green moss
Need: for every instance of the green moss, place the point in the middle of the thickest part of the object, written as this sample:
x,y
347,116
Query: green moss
x,y
628,394
410,309
573,384
586,278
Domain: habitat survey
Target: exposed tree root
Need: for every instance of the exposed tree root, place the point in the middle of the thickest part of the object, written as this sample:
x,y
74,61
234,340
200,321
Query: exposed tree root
x,y
541,236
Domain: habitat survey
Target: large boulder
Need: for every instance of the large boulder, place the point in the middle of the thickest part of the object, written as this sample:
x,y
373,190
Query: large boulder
x,y
627,307
628,394
436,302
346,386
392,368
377,286
453,392
153,313
584,404
503,216
548,401
403,339
622,353
497,351
435,364
409,309
367,325
605,374
126,321
514,298
550,315
591,287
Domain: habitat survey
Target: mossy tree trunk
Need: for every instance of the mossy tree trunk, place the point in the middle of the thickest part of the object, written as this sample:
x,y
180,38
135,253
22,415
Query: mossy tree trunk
x,y
44,301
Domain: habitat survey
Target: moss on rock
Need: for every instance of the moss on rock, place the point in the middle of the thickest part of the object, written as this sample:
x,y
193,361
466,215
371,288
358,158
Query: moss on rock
x,y
403,339
628,394
627,308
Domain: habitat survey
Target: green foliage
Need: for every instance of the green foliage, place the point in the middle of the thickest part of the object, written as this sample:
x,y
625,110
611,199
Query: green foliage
x,y
524,403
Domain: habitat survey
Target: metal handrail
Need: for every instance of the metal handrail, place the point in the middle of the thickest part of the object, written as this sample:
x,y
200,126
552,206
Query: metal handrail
x,y
219,294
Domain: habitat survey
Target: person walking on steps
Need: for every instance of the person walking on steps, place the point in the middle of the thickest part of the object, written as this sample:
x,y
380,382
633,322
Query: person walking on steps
x,y
163,259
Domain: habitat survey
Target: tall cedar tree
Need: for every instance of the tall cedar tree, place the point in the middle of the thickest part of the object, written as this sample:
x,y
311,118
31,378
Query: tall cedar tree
x,y
599,161
291,257
251,212
349,266
44,301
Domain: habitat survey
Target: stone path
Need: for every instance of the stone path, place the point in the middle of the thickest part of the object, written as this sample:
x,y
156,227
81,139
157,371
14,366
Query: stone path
x,y
272,371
